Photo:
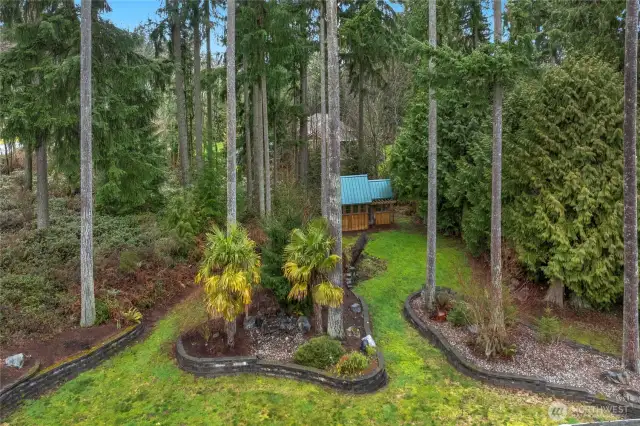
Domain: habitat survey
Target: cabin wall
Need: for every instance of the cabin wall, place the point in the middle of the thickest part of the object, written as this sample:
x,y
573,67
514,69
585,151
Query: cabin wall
x,y
355,218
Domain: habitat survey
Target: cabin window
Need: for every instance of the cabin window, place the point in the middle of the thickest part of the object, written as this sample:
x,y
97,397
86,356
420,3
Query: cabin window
x,y
347,209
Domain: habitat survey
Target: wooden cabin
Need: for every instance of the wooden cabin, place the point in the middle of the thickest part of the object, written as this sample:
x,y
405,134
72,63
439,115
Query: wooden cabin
x,y
366,202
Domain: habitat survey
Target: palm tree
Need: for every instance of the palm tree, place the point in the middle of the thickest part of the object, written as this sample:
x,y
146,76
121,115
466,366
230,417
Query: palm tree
x,y
630,342
430,289
308,263
88,308
229,271
231,114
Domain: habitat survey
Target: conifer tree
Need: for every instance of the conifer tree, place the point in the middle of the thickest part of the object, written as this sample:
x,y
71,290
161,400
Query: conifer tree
x,y
630,342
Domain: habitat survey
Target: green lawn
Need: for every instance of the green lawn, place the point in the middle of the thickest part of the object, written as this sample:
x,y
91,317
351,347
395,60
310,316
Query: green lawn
x,y
143,385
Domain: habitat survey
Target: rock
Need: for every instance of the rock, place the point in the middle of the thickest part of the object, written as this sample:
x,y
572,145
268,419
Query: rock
x,y
353,331
356,308
287,323
616,376
367,341
473,329
249,323
303,324
16,361
630,395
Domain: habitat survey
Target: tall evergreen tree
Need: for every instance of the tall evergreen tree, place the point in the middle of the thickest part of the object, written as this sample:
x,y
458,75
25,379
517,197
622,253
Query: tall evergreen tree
x,y
497,315
630,342
335,326
88,309
210,159
247,134
323,111
181,107
430,288
258,143
265,135
231,116
197,89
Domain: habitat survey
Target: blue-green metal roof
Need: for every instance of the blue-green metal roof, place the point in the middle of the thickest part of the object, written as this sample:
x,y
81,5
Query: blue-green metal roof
x,y
380,189
355,190
358,189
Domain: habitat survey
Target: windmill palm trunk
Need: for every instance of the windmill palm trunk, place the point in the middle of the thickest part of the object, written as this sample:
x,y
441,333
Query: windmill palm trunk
x,y
630,341
430,289
88,309
335,324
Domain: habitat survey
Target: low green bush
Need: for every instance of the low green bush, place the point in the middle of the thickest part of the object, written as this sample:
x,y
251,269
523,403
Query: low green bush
x,y
549,327
352,363
320,352
102,312
129,261
459,315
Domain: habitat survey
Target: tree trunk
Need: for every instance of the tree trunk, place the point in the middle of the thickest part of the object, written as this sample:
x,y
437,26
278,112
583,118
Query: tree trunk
x,y
28,168
247,137
258,142
197,91
323,115
304,133
555,293
179,90
335,325
231,116
209,108
88,307
230,330
630,341
429,291
317,318
43,182
361,155
265,134
497,316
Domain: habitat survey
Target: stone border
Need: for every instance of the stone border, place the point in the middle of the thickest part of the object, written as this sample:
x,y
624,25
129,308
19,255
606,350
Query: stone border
x,y
514,381
222,366
32,387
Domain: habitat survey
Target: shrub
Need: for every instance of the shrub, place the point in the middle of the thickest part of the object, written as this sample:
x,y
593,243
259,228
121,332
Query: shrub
x,y
490,340
459,315
371,352
320,352
132,316
103,313
549,327
351,364
129,261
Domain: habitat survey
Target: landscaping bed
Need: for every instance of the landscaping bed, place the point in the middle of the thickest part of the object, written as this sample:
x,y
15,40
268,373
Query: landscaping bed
x,y
268,333
572,371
